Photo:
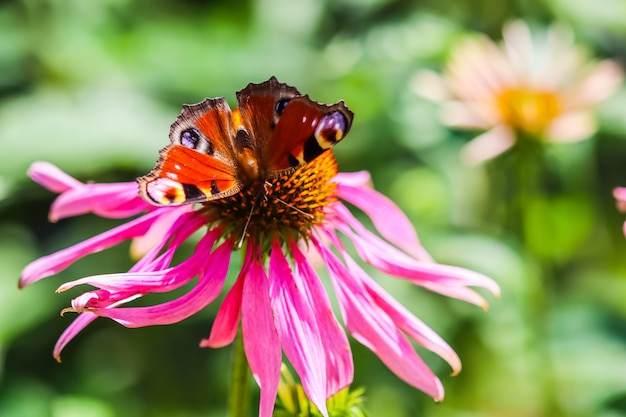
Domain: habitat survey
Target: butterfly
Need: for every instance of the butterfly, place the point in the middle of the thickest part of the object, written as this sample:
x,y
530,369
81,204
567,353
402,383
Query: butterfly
x,y
216,152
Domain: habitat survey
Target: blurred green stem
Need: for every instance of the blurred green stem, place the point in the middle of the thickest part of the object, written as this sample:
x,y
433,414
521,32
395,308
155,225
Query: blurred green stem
x,y
238,399
523,180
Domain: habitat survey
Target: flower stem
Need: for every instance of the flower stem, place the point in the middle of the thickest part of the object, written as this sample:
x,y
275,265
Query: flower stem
x,y
238,399
533,189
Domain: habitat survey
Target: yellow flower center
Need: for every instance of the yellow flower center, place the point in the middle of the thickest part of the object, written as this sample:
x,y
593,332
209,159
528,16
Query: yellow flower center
x,y
287,205
527,110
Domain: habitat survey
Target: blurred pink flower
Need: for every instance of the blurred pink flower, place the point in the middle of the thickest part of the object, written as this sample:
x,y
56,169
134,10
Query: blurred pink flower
x,y
619,193
544,87
278,296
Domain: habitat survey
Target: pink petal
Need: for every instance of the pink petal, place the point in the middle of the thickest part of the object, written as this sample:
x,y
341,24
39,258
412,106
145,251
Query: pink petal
x,y
571,127
619,193
388,219
73,329
58,261
226,322
297,329
206,290
488,145
161,230
602,80
374,329
339,364
52,178
152,281
405,320
431,85
448,280
180,230
117,200
260,339
354,179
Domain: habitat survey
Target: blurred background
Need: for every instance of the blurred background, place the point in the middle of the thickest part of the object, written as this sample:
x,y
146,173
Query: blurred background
x,y
92,86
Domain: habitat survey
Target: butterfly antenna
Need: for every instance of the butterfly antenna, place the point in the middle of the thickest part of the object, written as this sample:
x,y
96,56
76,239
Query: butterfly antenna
x,y
267,185
293,207
245,228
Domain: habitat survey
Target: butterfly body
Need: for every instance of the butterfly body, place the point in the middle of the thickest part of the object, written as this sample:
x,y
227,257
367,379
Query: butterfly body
x,y
216,152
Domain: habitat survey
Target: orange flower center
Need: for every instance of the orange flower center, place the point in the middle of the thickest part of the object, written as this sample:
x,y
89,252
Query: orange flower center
x,y
527,110
287,205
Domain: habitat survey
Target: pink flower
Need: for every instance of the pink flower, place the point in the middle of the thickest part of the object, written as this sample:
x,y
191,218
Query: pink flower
x,y
278,296
543,87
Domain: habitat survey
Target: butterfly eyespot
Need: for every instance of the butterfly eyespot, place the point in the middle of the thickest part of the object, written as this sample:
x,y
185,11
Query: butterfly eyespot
x,y
331,129
189,138
165,192
280,106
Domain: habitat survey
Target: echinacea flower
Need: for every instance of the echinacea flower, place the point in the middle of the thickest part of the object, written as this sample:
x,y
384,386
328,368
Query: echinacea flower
x,y
542,87
278,296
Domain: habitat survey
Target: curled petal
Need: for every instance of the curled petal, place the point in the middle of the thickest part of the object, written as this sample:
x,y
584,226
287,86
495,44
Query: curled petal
x,y
206,290
297,329
260,339
72,330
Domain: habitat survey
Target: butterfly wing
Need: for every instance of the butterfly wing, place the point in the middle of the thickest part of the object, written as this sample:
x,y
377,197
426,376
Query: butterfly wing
x,y
289,129
199,164
305,130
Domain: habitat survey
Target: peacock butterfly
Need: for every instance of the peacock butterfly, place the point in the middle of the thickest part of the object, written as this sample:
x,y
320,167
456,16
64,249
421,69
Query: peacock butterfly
x,y
216,152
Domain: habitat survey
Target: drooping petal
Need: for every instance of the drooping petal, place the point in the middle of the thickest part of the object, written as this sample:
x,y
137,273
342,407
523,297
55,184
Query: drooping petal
x,y
58,261
448,280
209,286
226,321
339,364
152,281
260,339
388,219
297,329
51,177
374,329
404,319
72,330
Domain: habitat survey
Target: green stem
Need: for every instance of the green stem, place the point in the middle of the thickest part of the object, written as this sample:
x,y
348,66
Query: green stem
x,y
531,171
239,396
